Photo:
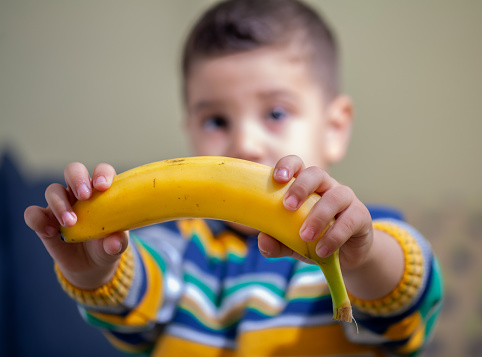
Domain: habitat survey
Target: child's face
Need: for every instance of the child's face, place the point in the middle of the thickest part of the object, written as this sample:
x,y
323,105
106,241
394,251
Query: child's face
x,y
261,105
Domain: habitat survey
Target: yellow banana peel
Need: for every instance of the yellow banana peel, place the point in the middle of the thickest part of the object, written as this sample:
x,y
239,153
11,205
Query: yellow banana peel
x,y
207,187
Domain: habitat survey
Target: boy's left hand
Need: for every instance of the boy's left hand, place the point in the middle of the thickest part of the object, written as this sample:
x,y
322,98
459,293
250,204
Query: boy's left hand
x,y
352,230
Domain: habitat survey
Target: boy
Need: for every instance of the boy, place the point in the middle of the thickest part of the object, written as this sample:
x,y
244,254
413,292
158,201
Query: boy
x,y
261,84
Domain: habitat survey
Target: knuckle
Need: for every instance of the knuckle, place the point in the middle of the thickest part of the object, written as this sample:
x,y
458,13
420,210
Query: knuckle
x,y
342,230
347,225
73,166
299,189
29,214
104,169
347,191
317,223
292,158
52,189
316,171
340,195
76,173
290,162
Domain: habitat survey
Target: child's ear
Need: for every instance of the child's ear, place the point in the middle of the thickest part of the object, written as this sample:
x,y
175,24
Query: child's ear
x,y
339,126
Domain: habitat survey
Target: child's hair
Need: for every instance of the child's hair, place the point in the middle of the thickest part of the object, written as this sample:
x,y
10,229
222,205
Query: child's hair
x,y
233,26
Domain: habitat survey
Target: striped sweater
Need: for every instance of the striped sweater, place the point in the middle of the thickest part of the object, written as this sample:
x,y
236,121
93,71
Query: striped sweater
x,y
202,289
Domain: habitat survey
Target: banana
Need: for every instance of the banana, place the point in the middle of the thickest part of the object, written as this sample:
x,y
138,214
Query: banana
x,y
209,187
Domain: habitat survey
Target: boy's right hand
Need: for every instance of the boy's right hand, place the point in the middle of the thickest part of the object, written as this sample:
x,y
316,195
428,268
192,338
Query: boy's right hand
x,y
87,265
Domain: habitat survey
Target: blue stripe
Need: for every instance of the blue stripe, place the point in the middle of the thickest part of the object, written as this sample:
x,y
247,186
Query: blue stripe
x,y
186,319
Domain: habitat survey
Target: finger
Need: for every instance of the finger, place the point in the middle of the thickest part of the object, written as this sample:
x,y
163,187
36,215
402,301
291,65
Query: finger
x,y
59,202
272,248
348,226
78,180
106,251
41,221
326,209
312,179
102,176
287,168
116,244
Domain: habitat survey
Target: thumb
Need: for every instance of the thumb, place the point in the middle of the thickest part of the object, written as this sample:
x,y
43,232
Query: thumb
x,y
115,244
108,250
272,248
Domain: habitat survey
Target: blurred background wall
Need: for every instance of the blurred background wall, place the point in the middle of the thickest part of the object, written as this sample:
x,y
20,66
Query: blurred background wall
x,y
98,81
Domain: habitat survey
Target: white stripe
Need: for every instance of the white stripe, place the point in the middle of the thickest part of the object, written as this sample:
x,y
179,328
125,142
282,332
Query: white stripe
x,y
275,279
199,337
287,320
210,281
256,291
308,278
240,297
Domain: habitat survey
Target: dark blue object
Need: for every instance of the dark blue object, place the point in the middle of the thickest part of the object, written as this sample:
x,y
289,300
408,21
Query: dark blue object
x,y
36,317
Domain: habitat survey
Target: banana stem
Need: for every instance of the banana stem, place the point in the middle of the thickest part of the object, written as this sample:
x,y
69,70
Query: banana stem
x,y
341,303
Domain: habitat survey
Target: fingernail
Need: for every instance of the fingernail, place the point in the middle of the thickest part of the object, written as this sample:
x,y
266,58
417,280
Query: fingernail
x,y
100,180
307,234
323,251
50,231
282,173
264,252
83,190
291,202
68,219
118,249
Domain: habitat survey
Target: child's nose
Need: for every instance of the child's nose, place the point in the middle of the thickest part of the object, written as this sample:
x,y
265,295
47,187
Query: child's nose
x,y
247,142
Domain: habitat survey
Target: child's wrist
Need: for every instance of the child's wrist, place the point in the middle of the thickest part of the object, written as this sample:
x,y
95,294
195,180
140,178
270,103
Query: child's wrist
x,y
410,282
110,294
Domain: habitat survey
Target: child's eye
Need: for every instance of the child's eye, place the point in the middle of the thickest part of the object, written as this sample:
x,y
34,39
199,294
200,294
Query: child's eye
x,y
277,113
215,123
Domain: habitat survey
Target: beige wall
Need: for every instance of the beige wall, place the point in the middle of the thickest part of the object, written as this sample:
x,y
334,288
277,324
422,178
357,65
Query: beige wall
x,y
96,81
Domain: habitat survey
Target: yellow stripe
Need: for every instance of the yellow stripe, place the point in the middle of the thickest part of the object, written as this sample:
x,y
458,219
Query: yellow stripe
x,y
404,328
126,347
295,341
415,342
175,346
411,281
150,302
232,244
217,247
308,291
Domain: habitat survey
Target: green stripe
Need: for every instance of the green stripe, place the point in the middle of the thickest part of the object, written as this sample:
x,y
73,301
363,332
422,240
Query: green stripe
x,y
308,268
434,296
157,257
225,326
228,256
203,287
99,323
247,284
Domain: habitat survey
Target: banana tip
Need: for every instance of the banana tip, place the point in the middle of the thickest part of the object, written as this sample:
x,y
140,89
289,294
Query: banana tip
x,y
344,313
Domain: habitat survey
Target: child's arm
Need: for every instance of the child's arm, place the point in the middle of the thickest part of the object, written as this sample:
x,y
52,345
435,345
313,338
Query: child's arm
x,y
390,271
371,260
118,281
86,265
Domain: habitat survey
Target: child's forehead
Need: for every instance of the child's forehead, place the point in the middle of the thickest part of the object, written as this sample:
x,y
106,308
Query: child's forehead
x,y
264,76
286,52
270,64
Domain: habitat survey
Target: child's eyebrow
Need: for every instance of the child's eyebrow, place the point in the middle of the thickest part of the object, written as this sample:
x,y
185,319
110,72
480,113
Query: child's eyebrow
x,y
277,93
205,105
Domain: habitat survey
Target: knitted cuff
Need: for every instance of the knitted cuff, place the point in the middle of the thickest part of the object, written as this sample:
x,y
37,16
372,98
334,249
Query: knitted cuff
x,y
410,283
110,294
